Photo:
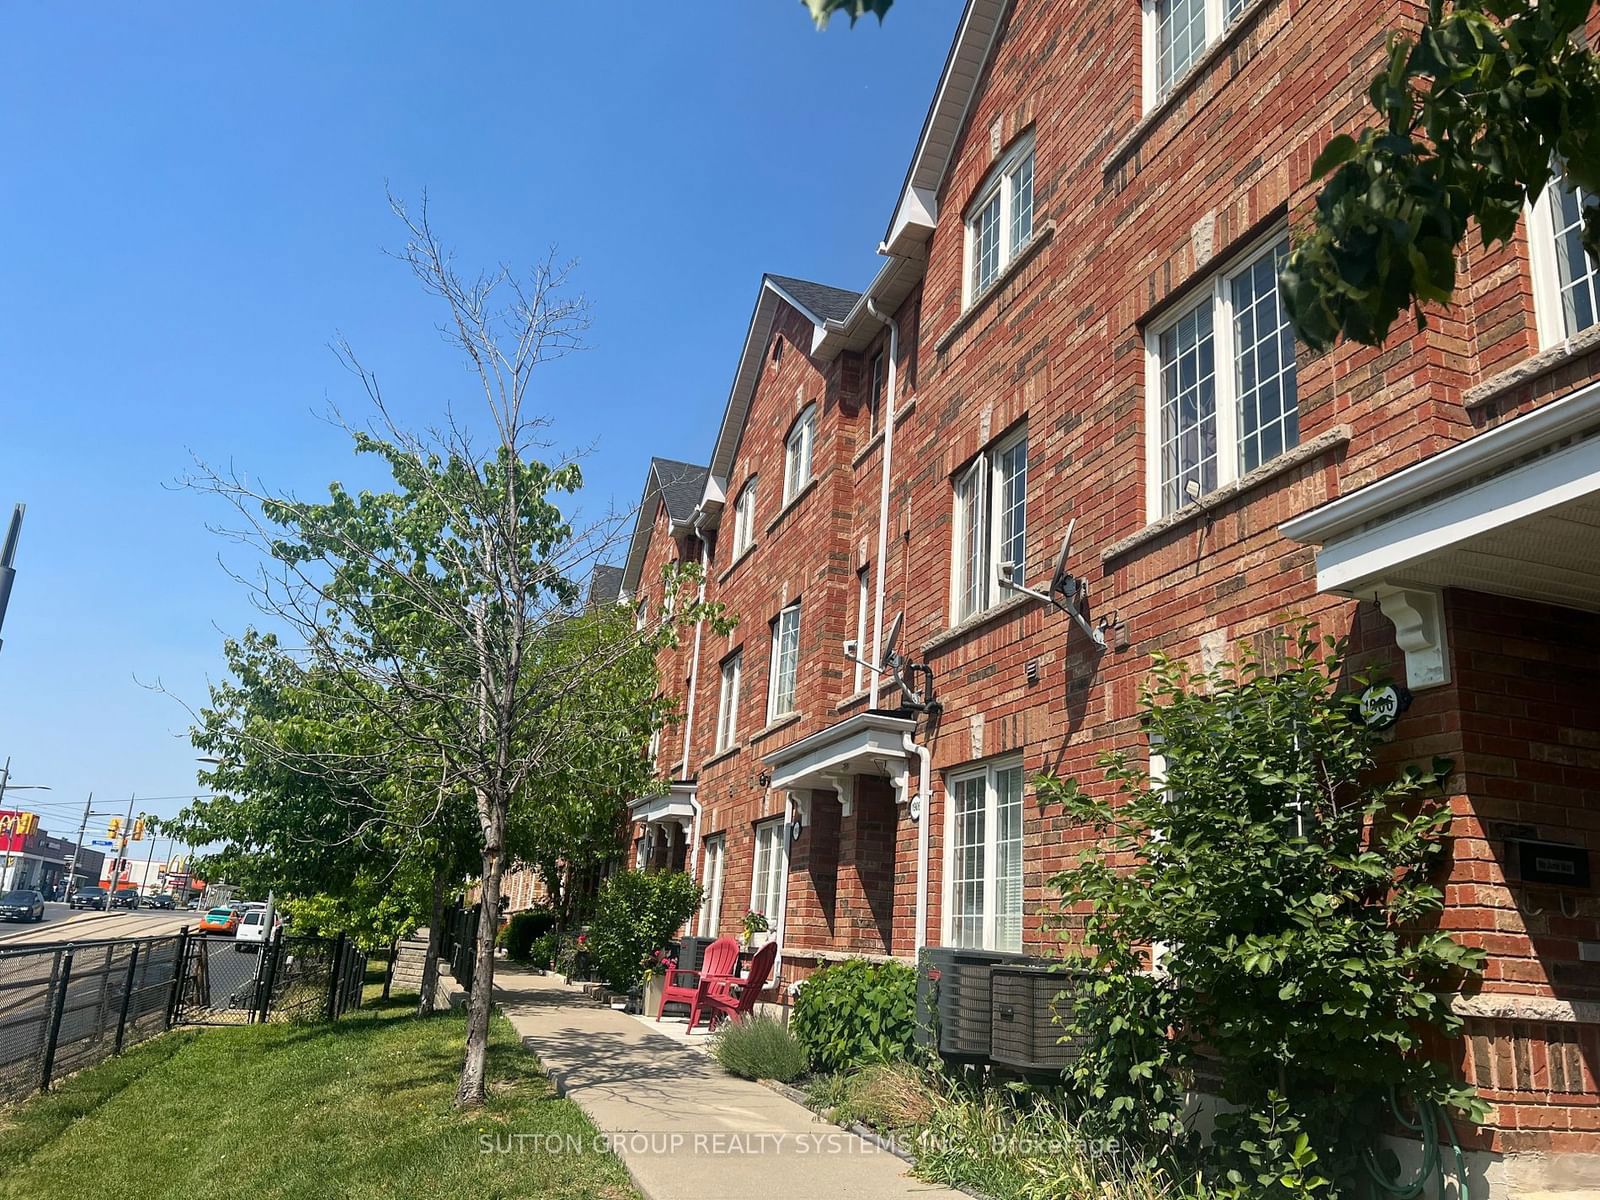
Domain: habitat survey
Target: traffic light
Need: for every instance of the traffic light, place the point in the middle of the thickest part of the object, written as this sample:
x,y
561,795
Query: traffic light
x,y
138,829
115,828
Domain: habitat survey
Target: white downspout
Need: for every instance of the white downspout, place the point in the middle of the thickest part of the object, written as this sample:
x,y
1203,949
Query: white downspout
x,y
924,788
879,568
693,857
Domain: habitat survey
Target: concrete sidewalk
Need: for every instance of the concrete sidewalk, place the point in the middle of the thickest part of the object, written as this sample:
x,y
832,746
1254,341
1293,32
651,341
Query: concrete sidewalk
x,y
684,1128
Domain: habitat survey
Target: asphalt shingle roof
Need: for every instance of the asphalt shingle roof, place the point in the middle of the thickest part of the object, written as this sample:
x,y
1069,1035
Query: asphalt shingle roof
x,y
681,486
605,585
829,303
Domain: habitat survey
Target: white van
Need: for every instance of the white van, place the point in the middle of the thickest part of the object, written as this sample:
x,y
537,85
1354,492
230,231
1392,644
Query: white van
x,y
252,928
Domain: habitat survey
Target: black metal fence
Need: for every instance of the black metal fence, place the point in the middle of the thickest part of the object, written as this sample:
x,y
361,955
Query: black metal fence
x,y
66,1006
460,943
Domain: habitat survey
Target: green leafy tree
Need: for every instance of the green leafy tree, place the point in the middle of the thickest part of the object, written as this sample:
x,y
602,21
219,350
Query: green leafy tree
x,y
822,10
636,913
437,608
1288,888
1473,114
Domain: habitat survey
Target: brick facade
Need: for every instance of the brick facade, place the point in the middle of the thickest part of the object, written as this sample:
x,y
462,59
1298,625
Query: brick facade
x,y
1133,214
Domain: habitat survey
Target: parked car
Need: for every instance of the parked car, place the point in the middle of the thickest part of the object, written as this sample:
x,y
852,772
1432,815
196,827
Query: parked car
x,y
253,927
89,897
219,920
158,900
22,905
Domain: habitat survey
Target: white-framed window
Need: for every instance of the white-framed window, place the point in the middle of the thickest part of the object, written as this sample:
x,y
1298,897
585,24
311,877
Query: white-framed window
x,y
714,856
641,613
1566,280
768,877
655,745
1176,34
1220,391
984,833
785,662
863,598
1000,219
991,519
728,701
875,396
797,453
744,519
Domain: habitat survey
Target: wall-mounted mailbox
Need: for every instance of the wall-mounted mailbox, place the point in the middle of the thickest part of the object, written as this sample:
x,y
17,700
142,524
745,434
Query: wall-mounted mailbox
x,y
1552,863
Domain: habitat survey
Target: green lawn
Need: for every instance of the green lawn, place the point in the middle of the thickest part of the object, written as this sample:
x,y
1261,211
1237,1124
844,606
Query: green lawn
x,y
358,1109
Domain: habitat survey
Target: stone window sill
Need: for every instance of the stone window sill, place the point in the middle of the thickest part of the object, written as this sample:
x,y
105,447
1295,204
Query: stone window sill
x,y
1022,258
1182,86
721,756
852,700
734,565
1529,369
794,503
900,414
990,615
842,955
773,726
1331,439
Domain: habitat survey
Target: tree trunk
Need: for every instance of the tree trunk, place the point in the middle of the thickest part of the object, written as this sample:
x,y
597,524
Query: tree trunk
x,y
430,966
480,1001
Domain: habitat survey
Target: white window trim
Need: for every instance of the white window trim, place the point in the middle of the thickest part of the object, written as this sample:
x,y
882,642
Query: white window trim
x,y
773,712
985,465
714,856
777,828
1216,293
744,519
1550,318
800,445
997,179
1151,91
730,680
877,389
991,852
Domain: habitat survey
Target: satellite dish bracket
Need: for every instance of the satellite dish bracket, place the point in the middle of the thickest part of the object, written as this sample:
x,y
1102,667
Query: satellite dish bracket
x,y
1065,591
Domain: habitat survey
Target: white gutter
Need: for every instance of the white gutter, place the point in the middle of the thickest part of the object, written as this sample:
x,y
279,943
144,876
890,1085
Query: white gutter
x,y
924,787
883,504
1455,467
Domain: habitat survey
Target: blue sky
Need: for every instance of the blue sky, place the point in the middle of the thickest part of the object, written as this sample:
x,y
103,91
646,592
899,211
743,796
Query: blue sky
x,y
192,201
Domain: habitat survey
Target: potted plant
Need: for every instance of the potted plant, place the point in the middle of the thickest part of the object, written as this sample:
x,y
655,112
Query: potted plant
x,y
752,924
657,966
582,965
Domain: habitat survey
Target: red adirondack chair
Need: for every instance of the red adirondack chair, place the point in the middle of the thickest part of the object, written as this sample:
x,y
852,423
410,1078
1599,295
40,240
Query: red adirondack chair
x,y
721,958
730,996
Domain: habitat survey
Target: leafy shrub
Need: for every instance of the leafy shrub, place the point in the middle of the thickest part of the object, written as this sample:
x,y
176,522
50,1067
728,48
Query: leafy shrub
x,y
637,912
1292,888
542,953
855,1013
524,927
759,1047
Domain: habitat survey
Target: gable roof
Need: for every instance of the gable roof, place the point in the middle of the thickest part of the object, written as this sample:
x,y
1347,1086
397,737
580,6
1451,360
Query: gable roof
x,y
677,487
819,304
605,586
917,211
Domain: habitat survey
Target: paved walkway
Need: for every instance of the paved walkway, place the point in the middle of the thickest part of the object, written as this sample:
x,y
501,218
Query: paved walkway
x,y
685,1129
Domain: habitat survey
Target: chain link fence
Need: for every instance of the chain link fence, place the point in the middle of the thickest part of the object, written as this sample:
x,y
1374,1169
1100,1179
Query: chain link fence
x,y
67,1006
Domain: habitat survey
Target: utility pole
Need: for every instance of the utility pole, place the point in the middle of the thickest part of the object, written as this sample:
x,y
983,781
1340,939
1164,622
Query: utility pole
x,y
8,557
72,874
122,854
149,861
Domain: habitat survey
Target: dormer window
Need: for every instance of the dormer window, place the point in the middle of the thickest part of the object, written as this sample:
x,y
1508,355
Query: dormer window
x,y
797,453
1000,219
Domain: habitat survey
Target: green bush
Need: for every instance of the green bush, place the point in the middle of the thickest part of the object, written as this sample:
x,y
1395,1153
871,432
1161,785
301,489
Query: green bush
x,y
542,953
757,1047
856,1013
637,912
524,927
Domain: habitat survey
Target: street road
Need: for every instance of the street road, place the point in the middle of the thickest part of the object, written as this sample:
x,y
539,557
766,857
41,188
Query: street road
x,y
63,924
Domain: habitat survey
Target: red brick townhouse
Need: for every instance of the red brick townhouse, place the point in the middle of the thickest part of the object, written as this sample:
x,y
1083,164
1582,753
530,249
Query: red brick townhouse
x,y
1076,323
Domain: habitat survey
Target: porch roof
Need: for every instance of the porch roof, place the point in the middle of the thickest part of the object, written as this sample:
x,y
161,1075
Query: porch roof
x,y
869,743
1514,511
677,804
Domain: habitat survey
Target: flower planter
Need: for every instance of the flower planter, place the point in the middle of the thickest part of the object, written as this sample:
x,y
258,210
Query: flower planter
x,y
652,994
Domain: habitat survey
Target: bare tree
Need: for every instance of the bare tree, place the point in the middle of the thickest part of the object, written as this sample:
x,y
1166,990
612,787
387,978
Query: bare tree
x,y
443,610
